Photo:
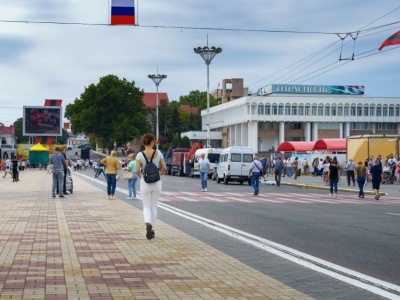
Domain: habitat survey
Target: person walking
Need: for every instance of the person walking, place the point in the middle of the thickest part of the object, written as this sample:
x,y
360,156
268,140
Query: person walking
x,y
295,167
254,174
315,167
361,172
350,167
7,167
325,166
278,171
305,166
63,152
112,165
376,176
58,163
131,167
333,177
150,191
100,170
204,169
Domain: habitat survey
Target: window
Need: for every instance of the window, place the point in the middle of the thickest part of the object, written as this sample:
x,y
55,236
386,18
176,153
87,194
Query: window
x,y
287,110
359,110
386,126
379,111
292,125
267,109
223,157
333,111
274,110
307,111
327,111
346,110
372,110
320,110
397,111
260,109
280,109
340,111
385,111
213,157
247,158
391,111
301,110
353,110
236,157
366,110
360,126
294,110
314,110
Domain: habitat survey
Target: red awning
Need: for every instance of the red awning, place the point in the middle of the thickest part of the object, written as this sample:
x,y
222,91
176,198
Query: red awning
x,y
330,144
296,146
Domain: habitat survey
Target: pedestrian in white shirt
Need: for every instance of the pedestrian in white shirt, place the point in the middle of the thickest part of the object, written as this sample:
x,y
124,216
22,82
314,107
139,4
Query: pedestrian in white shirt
x,y
204,169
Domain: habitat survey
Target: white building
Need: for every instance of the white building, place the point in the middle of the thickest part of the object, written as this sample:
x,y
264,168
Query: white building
x,y
281,113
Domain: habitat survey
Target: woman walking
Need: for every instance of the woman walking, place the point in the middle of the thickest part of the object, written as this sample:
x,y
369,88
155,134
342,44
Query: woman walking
x,y
112,165
131,167
150,191
333,176
325,167
361,172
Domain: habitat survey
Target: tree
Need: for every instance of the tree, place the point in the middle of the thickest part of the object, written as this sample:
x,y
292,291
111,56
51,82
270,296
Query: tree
x,y
185,142
110,111
18,132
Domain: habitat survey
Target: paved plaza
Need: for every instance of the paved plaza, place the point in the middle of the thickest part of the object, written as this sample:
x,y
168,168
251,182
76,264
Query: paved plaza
x,y
87,247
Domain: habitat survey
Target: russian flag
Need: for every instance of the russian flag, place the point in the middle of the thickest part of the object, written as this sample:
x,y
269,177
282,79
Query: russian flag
x,y
122,12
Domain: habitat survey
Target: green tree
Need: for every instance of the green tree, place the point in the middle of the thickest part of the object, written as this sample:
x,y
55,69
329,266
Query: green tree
x,y
62,140
185,142
111,110
18,132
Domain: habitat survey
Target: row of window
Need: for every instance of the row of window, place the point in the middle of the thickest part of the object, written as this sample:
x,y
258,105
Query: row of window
x,y
353,126
327,110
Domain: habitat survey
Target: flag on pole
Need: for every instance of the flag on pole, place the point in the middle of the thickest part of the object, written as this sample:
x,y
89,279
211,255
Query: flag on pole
x,y
122,12
392,40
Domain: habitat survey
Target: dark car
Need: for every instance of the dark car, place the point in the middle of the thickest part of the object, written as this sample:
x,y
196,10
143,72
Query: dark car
x,y
84,146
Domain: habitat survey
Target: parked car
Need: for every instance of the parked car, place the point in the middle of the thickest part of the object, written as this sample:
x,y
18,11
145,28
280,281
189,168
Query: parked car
x,y
70,147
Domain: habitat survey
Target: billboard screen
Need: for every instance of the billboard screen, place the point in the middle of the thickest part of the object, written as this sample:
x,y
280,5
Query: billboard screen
x,y
42,121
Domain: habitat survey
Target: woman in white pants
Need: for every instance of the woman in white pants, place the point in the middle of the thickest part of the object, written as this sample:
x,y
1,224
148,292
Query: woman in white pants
x,y
150,191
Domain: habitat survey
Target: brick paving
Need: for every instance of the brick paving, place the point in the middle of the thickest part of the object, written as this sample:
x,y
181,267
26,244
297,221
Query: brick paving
x,y
87,247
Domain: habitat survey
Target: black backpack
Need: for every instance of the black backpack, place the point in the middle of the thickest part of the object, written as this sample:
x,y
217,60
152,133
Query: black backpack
x,y
150,172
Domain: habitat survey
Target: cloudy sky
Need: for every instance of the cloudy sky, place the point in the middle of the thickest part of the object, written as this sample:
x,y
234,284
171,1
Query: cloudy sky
x,y
47,61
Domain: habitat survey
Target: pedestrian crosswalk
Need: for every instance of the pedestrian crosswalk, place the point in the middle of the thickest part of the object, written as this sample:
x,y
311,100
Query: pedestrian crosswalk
x,y
299,198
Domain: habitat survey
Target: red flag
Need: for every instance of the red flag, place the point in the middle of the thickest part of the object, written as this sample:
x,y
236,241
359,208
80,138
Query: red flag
x,y
392,40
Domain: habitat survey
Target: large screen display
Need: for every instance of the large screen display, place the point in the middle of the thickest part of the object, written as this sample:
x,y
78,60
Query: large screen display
x,y
42,121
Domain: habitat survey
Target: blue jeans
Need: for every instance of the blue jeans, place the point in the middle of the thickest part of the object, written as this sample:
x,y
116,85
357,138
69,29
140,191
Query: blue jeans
x,y
111,184
58,178
361,181
255,180
132,185
333,182
203,178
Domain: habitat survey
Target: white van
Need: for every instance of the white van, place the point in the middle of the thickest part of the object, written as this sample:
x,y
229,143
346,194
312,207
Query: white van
x,y
234,164
213,156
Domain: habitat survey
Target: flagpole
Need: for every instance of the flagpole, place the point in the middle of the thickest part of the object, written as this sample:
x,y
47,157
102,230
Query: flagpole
x,y
137,13
109,13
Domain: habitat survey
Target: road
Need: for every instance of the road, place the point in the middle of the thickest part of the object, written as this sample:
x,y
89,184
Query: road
x,y
362,237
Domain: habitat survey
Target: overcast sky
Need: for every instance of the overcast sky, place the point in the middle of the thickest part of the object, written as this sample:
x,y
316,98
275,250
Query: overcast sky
x,y
45,61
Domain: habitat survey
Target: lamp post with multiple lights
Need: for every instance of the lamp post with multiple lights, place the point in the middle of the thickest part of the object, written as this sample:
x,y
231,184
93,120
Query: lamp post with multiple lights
x,y
208,54
157,80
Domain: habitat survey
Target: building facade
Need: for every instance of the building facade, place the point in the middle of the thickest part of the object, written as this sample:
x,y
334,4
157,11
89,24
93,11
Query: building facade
x,y
281,113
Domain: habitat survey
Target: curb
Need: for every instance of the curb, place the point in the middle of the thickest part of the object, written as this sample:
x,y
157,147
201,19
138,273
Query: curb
x,y
318,187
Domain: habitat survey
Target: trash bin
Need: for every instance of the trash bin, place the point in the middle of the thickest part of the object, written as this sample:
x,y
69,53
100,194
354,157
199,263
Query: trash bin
x,y
85,154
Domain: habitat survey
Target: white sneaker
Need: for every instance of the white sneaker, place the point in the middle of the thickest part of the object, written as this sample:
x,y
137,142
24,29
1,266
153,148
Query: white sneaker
x,y
202,190
334,196
330,195
129,198
205,190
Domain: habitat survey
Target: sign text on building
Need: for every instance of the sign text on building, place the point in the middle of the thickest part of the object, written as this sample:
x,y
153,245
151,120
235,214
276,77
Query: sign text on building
x,y
311,89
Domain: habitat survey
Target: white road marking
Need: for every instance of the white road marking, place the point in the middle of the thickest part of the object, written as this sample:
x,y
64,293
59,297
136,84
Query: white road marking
x,y
213,199
187,199
238,199
393,214
368,283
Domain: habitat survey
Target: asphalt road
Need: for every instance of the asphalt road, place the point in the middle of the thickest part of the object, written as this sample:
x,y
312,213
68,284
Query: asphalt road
x,y
364,238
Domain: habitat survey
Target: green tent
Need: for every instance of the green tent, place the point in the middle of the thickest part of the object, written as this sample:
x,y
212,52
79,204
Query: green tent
x,y
38,155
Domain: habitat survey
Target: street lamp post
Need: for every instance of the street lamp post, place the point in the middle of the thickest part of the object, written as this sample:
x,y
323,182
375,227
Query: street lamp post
x,y
208,54
157,80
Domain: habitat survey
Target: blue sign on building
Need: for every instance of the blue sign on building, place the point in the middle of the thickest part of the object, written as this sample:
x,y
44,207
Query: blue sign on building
x,y
311,89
